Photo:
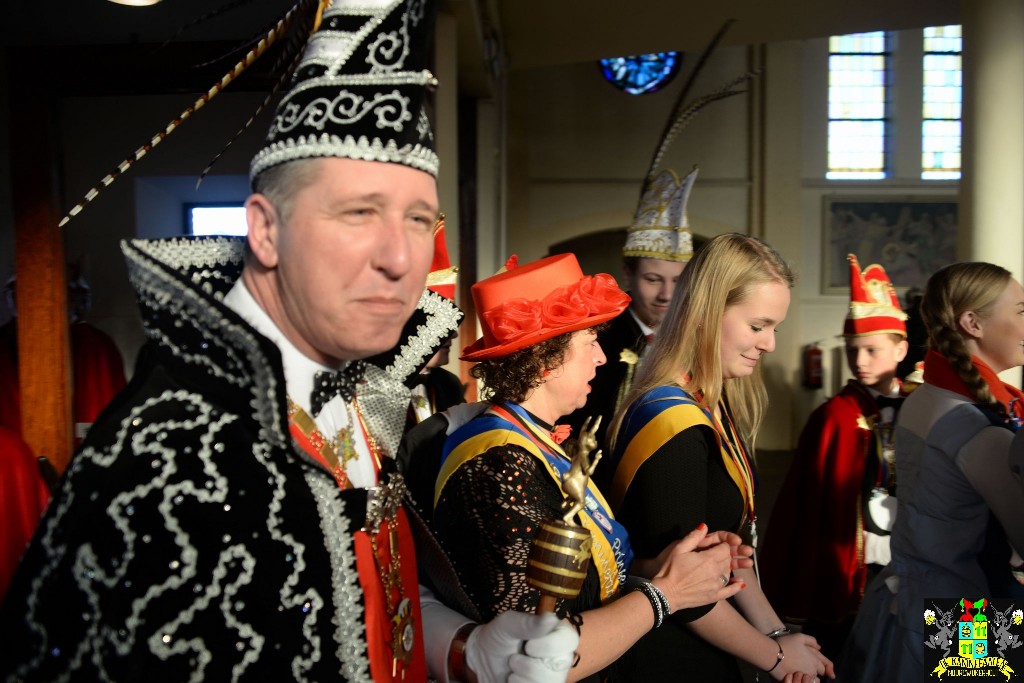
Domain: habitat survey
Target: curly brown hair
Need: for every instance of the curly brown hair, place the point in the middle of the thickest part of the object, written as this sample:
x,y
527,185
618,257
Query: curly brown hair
x,y
512,377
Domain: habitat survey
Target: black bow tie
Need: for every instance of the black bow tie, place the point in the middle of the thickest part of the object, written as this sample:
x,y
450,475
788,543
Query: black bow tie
x,y
328,383
889,402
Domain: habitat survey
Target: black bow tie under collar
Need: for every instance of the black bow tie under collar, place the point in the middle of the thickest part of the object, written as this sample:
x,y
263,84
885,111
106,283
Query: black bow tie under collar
x,y
328,383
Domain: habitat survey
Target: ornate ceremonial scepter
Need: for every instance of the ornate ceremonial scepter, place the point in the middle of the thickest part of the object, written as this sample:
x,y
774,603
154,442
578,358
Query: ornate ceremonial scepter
x,y
560,551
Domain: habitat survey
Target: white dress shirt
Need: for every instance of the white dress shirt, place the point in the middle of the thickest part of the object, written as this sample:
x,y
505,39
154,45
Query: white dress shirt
x,y
299,371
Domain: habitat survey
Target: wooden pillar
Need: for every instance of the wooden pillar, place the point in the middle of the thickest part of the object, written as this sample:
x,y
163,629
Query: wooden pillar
x,y
43,348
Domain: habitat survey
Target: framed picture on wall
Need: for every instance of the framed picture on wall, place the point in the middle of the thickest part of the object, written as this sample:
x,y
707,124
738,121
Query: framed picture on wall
x,y
911,237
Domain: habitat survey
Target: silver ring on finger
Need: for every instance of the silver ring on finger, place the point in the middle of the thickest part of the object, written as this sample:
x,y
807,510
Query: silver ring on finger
x,y
725,580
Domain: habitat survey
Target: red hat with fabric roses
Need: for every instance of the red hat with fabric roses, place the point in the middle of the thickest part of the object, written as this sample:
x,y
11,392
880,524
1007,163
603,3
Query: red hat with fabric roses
x,y
528,304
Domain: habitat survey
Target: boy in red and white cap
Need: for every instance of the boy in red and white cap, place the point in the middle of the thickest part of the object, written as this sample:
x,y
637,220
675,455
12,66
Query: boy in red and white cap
x,y
840,491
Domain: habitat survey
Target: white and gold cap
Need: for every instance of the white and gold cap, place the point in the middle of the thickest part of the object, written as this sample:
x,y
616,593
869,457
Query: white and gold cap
x,y
660,228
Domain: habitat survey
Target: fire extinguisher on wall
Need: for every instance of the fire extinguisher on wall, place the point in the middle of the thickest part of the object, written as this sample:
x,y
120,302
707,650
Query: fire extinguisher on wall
x,y
812,366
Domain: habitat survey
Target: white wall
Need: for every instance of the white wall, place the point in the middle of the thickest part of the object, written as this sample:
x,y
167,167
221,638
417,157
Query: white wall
x,y
578,149
584,148
824,314
96,134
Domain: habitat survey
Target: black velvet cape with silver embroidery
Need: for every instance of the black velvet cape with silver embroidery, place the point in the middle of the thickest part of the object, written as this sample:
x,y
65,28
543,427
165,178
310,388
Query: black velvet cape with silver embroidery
x,y
189,541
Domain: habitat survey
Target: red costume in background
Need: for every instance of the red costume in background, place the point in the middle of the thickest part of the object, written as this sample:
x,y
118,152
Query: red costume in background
x,y
812,563
23,497
98,375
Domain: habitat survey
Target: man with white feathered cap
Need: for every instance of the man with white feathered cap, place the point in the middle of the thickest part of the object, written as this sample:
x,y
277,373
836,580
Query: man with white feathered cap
x,y
235,514
659,244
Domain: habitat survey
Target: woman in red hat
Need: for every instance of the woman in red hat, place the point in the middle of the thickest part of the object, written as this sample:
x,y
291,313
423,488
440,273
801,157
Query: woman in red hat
x,y
683,454
501,471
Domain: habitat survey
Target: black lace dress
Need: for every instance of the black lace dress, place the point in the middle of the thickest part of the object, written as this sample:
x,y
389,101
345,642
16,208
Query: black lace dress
x,y
485,519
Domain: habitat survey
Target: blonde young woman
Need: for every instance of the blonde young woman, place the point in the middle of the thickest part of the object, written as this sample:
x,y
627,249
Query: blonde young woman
x,y
953,437
683,454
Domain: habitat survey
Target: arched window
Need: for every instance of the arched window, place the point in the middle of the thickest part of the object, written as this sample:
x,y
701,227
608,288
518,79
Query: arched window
x,y
858,67
864,71
943,97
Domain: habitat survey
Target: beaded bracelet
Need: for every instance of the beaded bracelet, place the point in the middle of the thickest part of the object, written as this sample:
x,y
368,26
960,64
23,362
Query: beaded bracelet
x,y
576,619
662,599
780,656
658,601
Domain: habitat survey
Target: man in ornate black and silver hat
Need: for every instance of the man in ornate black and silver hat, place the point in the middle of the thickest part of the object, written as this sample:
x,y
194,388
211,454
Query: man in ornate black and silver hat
x,y
658,246
233,516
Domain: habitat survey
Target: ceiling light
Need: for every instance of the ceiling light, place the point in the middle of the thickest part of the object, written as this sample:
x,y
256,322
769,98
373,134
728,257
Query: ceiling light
x,y
135,3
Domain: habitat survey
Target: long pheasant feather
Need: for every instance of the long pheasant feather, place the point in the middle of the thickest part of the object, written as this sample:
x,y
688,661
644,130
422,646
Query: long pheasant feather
x,y
259,110
681,102
212,14
279,29
691,109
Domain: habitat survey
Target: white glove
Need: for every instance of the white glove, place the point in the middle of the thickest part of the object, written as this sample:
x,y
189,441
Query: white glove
x,y
548,658
494,650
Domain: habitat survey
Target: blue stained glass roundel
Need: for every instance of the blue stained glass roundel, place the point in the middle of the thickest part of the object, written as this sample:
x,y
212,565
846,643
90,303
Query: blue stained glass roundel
x,y
642,73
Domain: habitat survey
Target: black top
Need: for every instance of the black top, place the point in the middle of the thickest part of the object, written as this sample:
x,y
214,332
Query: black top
x,y
622,332
190,539
679,486
444,388
486,517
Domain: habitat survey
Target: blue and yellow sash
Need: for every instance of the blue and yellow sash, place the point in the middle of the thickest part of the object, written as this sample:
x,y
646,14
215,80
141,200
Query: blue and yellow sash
x,y
657,416
509,424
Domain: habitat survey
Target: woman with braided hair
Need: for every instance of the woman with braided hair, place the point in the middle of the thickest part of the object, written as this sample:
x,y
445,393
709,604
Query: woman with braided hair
x,y
953,440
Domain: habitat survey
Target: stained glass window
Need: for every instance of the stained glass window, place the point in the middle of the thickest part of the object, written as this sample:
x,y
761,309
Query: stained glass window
x,y
641,73
943,81
857,105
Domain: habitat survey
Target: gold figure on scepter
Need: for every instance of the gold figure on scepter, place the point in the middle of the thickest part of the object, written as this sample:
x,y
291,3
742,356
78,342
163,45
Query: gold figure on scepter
x,y
560,551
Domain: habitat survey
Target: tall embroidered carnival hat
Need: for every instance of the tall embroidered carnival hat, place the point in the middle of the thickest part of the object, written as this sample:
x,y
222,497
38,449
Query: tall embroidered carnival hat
x,y
435,320
660,228
360,89
874,306
528,304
